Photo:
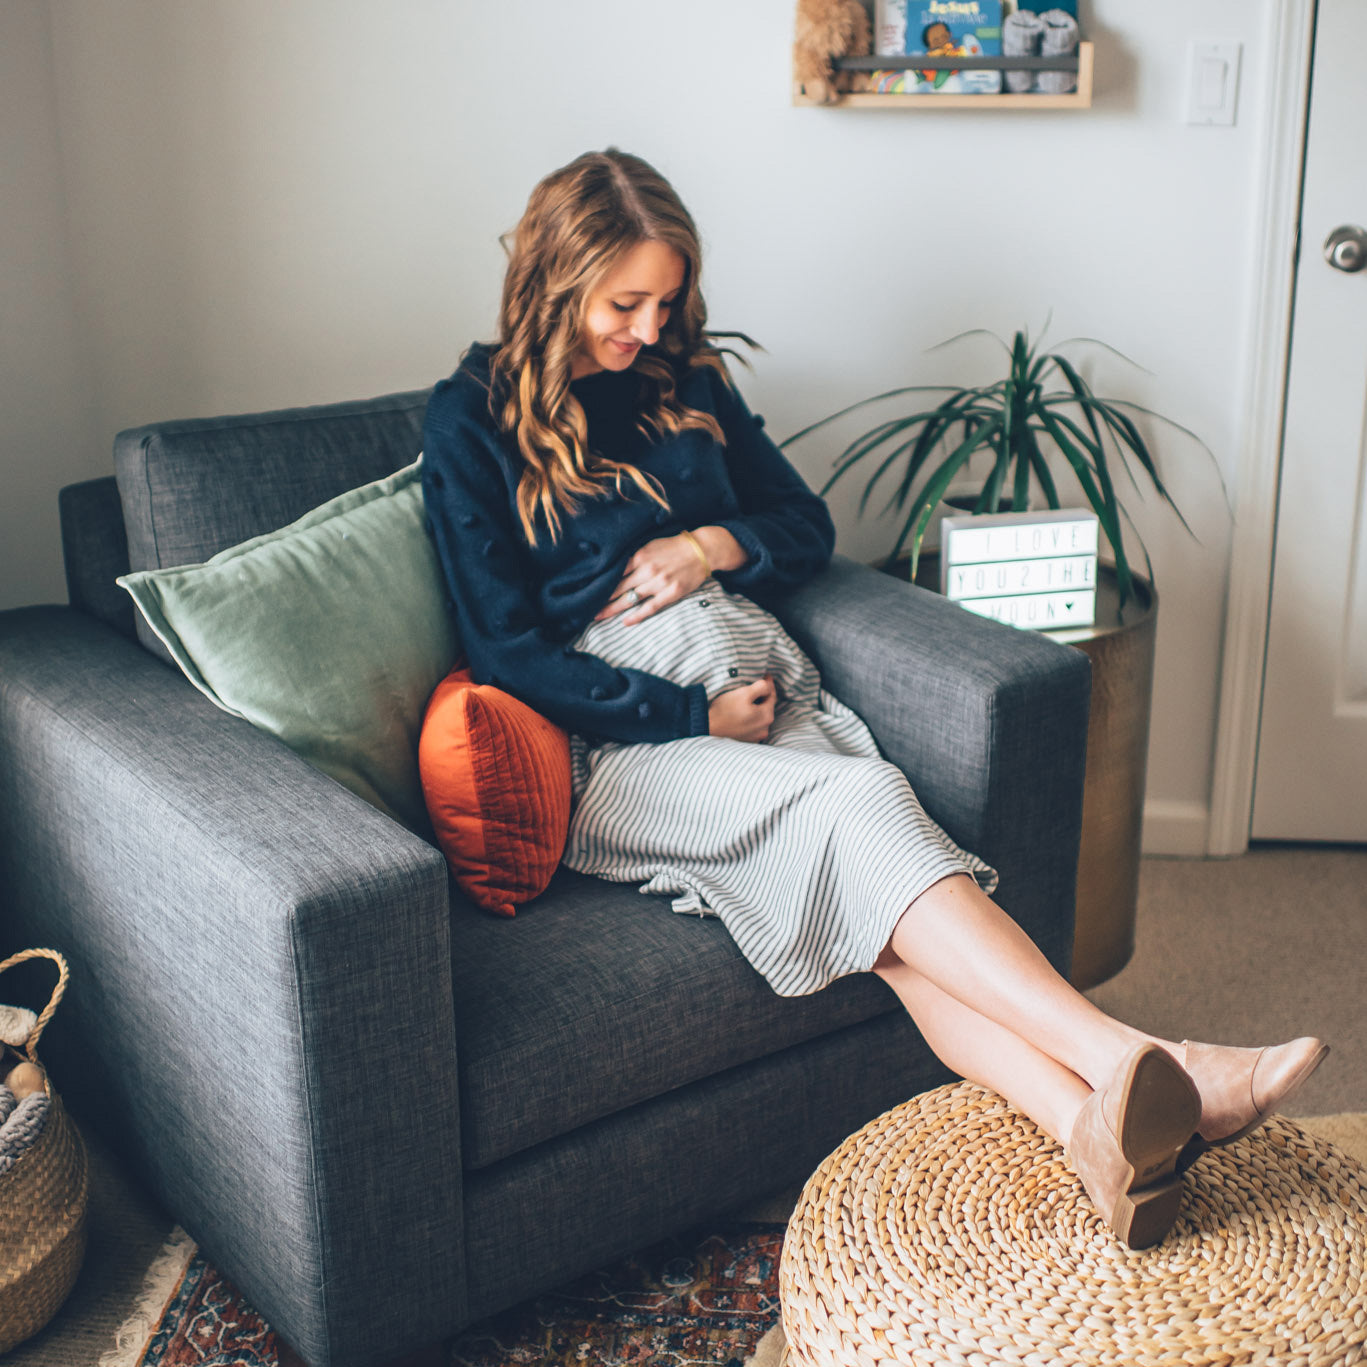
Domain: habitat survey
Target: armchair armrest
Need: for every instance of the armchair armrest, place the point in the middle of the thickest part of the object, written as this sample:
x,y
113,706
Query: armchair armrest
x,y
988,722
261,1006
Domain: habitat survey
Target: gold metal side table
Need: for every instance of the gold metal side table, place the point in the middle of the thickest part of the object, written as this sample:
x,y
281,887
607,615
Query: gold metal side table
x,y
1121,649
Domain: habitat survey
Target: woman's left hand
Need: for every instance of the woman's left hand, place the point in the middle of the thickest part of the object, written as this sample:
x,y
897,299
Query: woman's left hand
x,y
660,573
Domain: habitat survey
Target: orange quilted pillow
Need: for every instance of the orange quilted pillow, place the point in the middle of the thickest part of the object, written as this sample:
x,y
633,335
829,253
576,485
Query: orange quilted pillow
x,y
496,777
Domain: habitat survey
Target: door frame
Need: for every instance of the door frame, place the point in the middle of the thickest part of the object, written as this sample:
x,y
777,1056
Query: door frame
x,y
1288,48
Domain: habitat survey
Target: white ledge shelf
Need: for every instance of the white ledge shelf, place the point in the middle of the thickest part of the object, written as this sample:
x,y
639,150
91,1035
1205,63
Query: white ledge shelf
x,y
1081,98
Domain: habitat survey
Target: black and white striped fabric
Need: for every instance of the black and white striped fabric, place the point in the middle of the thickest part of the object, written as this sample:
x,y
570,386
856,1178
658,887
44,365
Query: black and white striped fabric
x,y
809,846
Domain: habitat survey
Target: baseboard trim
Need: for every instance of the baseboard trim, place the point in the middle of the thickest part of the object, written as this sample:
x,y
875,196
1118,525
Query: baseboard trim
x,y
1181,828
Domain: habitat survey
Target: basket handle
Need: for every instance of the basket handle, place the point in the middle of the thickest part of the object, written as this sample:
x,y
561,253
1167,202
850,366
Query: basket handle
x,y
63,973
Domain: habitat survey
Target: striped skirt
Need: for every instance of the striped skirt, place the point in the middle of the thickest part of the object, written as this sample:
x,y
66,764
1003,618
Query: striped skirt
x,y
809,847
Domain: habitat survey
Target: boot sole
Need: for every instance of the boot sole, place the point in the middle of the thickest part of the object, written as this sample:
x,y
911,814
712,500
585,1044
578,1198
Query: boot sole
x,y
1159,1111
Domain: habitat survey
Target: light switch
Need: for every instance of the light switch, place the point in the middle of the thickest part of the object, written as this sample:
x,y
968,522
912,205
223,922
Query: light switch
x,y
1213,81
1213,73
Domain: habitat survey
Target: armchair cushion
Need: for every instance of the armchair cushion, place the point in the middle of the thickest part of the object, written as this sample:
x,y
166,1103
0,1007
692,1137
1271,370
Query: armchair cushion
x,y
330,633
595,999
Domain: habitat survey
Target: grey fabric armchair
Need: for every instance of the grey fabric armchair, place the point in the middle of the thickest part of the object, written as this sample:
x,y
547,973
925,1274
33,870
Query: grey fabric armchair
x,y
383,1113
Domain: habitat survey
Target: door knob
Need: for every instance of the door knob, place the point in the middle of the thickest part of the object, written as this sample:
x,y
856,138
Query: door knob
x,y
1345,249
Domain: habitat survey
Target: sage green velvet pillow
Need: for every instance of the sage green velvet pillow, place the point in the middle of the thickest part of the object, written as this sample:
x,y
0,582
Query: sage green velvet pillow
x,y
330,633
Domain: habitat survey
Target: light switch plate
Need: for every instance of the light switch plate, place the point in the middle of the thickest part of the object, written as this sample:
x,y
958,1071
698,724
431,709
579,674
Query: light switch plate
x,y
1213,81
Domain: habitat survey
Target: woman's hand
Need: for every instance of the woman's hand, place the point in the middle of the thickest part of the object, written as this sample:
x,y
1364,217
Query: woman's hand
x,y
669,568
745,713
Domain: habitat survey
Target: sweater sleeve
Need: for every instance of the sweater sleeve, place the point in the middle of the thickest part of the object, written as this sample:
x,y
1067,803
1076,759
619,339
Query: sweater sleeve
x,y
783,527
493,585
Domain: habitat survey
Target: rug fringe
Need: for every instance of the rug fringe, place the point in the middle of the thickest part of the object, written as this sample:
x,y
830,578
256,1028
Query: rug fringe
x,y
770,1351
160,1284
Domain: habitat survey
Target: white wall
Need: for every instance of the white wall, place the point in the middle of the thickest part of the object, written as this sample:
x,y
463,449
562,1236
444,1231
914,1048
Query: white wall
x,y
275,204
49,433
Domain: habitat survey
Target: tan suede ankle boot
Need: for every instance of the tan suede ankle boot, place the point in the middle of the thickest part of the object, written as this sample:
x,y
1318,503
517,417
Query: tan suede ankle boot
x,y
1241,1088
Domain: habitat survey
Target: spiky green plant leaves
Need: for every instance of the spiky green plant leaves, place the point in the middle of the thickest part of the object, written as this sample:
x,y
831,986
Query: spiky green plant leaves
x,y
1042,406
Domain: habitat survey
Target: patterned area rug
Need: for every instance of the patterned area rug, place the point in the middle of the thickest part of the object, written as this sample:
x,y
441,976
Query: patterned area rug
x,y
709,1298
705,1299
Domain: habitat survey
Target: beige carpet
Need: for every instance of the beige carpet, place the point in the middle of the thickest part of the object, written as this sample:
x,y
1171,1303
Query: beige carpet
x,y
1347,1131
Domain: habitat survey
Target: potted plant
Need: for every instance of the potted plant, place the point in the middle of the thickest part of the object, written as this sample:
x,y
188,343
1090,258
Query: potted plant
x,y
1041,410
1041,406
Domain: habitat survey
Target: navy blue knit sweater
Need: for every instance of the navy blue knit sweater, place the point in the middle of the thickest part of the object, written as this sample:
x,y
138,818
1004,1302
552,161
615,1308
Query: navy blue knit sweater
x,y
519,607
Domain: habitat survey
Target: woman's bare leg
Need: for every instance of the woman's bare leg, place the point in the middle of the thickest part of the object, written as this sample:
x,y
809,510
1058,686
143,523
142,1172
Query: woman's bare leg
x,y
983,1051
957,939
994,1009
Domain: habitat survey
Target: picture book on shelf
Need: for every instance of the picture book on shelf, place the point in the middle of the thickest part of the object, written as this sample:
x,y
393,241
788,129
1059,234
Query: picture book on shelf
x,y
940,28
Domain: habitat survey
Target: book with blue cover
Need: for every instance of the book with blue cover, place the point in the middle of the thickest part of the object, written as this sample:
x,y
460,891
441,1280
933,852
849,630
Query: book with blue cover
x,y
947,28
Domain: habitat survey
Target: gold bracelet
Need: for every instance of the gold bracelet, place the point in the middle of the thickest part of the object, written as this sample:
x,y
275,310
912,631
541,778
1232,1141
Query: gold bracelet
x,y
701,554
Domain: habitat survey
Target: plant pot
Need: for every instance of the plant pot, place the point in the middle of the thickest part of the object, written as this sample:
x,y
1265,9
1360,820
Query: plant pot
x,y
1121,649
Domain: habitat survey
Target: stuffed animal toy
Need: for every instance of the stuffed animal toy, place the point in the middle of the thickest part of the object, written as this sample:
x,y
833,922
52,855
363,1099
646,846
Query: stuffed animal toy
x,y
827,29
17,1023
23,1079
17,1074
24,1099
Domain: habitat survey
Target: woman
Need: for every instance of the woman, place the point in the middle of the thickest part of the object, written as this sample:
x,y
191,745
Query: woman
x,y
610,518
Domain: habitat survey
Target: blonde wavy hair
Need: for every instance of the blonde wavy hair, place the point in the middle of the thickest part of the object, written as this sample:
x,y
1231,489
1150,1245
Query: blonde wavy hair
x,y
579,223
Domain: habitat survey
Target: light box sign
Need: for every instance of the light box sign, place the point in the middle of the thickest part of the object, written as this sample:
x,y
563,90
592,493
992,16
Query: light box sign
x,y
1034,570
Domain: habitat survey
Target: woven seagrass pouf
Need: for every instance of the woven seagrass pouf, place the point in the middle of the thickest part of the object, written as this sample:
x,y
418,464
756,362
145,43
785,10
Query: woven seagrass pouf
x,y
951,1230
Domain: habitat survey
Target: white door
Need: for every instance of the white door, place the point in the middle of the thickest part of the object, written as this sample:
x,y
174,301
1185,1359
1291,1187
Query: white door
x,y
1311,781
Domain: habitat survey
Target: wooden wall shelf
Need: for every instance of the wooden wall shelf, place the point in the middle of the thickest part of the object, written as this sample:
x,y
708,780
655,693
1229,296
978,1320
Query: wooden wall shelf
x,y
1081,98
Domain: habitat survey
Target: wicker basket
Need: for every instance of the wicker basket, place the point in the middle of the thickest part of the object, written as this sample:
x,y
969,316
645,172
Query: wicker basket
x,y
43,1200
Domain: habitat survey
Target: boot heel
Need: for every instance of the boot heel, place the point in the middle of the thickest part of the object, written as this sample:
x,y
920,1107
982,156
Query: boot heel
x,y
1141,1218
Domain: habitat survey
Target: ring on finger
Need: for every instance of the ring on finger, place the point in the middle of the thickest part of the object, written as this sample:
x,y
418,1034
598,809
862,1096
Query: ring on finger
x,y
634,597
